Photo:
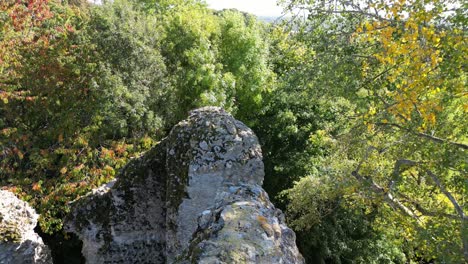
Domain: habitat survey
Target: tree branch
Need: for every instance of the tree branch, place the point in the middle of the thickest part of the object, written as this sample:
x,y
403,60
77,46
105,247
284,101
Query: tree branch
x,y
424,135
396,171
426,212
389,198
452,199
359,12
395,203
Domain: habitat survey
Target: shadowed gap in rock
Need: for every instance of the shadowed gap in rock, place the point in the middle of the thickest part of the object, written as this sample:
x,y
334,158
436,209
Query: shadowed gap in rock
x,y
65,250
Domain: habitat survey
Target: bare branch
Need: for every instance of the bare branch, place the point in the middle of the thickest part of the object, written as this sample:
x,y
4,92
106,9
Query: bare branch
x,y
424,135
389,198
440,185
426,212
396,171
452,199
359,12
395,203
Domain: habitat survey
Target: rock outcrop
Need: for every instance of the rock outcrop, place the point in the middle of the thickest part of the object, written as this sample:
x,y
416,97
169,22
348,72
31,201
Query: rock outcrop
x,y
19,244
194,198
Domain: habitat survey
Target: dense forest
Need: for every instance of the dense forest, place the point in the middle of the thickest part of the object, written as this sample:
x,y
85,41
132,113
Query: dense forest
x,y
360,107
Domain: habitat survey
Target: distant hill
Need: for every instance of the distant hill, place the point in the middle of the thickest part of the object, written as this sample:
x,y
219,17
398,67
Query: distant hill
x,y
269,19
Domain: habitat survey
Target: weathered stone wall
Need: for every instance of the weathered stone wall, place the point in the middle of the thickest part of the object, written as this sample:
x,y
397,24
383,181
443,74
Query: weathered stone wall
x,y
243,227
194,198
207,151
19,244
124,221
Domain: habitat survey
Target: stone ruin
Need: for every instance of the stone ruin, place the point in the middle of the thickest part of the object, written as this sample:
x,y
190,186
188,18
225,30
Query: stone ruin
x,y
196,197
19,244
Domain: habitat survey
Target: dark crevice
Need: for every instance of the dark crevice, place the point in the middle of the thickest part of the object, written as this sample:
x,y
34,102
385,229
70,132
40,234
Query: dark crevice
x,y
65,247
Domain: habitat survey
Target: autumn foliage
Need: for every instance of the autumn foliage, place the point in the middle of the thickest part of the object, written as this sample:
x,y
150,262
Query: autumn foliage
x,y
360,106
49,153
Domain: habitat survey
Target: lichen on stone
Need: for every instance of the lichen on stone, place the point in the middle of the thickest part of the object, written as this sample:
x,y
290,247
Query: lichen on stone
x,y
19,244
9,232
196,197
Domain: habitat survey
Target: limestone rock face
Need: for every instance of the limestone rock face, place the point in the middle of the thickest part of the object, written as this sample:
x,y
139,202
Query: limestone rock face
x,y
194,198
243,227
19,244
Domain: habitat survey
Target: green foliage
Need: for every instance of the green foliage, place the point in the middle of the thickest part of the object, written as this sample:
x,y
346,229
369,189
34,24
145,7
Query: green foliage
x,y
168,6
56,114
287,131
404,149
131,78
216,59
361,114
332,228
84,89
190,50
243,52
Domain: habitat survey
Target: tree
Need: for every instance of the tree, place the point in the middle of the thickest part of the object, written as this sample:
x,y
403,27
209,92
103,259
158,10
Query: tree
x,y
216,59
85,88
409,137
244,52
131,77
332,227
55,145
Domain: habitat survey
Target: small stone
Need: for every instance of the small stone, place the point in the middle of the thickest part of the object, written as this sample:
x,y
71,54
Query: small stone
x,y
204,145
217,149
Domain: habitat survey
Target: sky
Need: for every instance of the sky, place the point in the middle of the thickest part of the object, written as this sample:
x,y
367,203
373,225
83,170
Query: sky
x,y
256,7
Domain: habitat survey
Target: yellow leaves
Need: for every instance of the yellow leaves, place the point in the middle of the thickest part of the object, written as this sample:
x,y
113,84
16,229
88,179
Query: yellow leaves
x,y
20,154
370,39
109,170
81,141
78,167
387,33
394,10
368,26
412,51
434,59
431,118
465,107
444,200
411,27
365,68
63,170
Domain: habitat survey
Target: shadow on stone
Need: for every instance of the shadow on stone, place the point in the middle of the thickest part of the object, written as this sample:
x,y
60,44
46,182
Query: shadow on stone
x,y
64,250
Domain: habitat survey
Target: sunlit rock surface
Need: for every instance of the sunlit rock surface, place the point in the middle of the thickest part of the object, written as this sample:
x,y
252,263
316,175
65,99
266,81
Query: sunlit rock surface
x,y
194,198
19,244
